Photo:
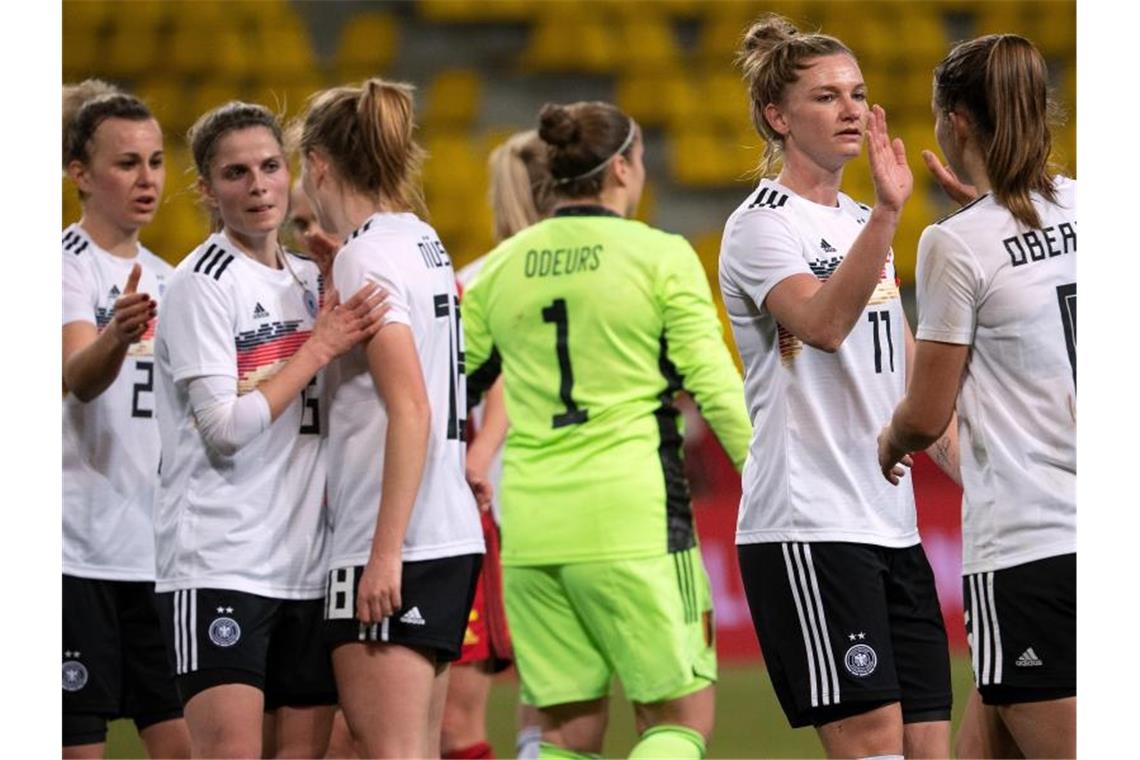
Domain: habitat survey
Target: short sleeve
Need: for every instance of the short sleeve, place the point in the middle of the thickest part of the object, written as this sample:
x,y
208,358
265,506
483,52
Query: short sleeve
x,y
759,250
79,297
358,263
482,359
196,320
948,281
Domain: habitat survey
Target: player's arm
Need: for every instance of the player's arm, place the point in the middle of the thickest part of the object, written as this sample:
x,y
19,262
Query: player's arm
x,y
395,368
695,345
489,437
944,450
822,314
92,358
949,282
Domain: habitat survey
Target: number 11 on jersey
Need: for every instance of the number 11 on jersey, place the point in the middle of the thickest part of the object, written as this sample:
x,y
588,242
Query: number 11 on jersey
x,y
556,314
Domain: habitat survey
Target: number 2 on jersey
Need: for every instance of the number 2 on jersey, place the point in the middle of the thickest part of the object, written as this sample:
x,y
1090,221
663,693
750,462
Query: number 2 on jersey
x,y
139,388
556,313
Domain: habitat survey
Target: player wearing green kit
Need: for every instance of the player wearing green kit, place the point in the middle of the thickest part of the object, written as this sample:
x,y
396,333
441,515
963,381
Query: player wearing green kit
x,y
596,321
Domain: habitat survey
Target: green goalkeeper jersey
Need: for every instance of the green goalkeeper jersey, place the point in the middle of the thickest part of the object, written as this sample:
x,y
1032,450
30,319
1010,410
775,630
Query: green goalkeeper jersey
x,y
596,322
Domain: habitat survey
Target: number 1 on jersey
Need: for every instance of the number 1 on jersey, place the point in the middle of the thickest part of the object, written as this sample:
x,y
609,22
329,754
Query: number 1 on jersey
x,y
556,313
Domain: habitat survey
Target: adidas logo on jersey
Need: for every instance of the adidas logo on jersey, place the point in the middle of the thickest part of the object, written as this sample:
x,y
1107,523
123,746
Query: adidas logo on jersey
x,y
826,246
115,292
1029,659
259,312
413,617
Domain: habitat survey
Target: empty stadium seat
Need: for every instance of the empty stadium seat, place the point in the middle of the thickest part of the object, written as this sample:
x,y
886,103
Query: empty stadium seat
x,y
368,44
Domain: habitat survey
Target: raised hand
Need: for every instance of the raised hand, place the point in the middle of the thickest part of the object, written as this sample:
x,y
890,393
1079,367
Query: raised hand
x,y
889,170
339,326
959,191
133,311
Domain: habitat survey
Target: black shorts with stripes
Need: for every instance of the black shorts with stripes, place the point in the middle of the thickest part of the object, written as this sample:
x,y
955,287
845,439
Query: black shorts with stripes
x,y
221,637
846,628
1021,623
436,595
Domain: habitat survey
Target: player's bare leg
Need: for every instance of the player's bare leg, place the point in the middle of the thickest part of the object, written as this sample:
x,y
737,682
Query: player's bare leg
x,y
926,740
342,745
576,726
439,690
982,733
529,732
465,710
302,732
225,721
875,732
84,751
168,738
386,721
695,712
1043,729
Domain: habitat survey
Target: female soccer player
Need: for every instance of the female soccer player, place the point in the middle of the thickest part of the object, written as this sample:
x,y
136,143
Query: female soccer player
x,y
115,662
241,525
595,321
997,297
406,543
841,594
519,196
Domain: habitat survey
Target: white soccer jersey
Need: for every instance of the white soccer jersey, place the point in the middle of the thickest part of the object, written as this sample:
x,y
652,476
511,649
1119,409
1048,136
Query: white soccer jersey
x,y
253,521
1011,294
465,277
110,444
812,472
404,256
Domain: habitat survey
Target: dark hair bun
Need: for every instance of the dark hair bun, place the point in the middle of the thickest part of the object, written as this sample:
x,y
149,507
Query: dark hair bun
x,y
768,32
556,126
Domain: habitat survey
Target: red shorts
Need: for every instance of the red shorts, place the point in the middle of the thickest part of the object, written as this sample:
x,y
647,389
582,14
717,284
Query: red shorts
x,y
487,638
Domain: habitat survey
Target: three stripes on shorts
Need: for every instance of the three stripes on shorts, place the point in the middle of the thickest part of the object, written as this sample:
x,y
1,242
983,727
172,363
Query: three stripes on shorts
x,y
822,673
984,631
185,631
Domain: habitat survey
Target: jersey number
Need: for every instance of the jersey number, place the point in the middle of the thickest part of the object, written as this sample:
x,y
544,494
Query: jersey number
x,y
884,317
1067,300
144,386
556,313
447,307
311,409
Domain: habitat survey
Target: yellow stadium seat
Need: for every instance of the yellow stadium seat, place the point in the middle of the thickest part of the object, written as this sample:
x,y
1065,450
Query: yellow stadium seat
x,y
283,51
647,42
210,95
368,44
701,158
476,11
453,99
166,98
130,53
86,16
286,98
639,95
82,54
561,41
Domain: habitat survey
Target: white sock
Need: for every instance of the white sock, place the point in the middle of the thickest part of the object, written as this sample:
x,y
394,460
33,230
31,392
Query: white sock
x,y
882,757
527,741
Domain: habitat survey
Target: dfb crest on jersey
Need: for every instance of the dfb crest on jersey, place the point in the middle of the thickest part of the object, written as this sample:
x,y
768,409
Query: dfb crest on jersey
x,y
860,660
225,631
311,302
74,675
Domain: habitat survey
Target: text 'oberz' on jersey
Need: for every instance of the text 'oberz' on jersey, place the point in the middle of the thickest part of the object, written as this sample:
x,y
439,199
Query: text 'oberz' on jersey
x,y
433,253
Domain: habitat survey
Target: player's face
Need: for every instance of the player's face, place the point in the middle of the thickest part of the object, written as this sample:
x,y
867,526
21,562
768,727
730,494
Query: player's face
x,y
249,181
824,114
310,236
124,178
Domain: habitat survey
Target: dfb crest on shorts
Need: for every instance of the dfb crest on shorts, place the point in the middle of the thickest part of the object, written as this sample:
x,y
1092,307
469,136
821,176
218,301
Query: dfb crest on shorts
x,y
74,673
225,631
860,660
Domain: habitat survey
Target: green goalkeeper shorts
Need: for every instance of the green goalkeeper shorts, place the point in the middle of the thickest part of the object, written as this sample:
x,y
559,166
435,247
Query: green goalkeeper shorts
x,y
574,626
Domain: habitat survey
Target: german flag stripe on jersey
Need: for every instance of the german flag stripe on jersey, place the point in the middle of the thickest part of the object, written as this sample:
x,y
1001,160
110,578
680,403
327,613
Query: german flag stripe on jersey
x,y
262,361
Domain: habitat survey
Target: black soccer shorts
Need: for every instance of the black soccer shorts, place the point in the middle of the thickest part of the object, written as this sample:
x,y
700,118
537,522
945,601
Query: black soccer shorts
x,y
115,661
436,596
219,636
847,627
1021,623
